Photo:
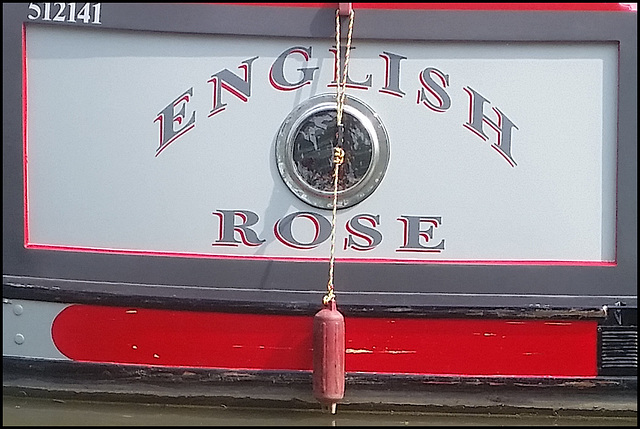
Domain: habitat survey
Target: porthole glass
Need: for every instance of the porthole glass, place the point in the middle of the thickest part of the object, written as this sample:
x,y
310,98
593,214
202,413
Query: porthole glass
x,y
304,152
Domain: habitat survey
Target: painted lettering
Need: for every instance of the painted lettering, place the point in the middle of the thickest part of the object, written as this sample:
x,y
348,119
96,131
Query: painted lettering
x,y
392,74
228,228
283,230
305,230
276,73
502,127
369,236
365,84
168,117
240,87
433,92
413,233
436,90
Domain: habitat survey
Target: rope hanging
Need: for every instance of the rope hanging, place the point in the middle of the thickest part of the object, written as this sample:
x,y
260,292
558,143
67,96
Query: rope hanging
x,y
338,153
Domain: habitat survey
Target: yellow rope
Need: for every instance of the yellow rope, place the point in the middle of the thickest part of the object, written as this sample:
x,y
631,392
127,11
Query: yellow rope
x,y
341,86
338,154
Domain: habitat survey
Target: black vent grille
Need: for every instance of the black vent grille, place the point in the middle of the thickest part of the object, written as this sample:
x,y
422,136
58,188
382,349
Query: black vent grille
x,y
618,350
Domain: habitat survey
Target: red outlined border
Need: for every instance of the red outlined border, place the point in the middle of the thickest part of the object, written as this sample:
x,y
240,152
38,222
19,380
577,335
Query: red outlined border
x,y
567,7
25,158
426,6
314,259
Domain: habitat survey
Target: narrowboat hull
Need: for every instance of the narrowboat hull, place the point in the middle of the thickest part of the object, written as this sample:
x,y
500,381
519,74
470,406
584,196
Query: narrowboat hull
x,y
167,222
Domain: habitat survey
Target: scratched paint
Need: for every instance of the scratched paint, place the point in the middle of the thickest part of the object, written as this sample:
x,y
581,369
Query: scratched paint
x,y
460,347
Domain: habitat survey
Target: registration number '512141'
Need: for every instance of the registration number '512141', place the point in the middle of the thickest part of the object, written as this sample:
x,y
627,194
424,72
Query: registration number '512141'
x,y
88,13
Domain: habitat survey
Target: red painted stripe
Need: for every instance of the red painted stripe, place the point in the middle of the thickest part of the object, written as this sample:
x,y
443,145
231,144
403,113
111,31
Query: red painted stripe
x,y
604,7
320,259
461,347
25,158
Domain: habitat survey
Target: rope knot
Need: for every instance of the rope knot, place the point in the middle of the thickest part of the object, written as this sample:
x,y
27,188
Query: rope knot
x,y
328,297
338,156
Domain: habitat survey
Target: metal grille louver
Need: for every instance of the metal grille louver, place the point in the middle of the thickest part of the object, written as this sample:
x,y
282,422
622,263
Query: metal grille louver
x,y
618,350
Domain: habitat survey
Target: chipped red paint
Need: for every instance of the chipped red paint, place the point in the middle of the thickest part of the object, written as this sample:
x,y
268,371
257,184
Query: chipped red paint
x,y
458,347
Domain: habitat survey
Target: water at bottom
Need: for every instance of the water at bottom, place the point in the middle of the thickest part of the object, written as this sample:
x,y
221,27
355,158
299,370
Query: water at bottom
x,y
30,411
